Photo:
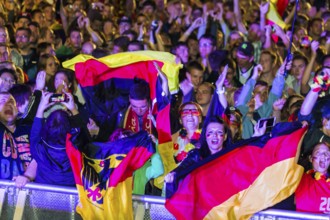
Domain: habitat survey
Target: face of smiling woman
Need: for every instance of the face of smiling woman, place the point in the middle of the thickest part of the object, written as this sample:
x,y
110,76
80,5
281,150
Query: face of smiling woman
x,y
215,136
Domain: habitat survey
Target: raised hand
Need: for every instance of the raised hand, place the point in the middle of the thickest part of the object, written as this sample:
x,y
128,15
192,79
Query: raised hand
x,y
256,71
314,46
278,104
219,83
264,8
197,22
41,80
69,104
44,103
163,77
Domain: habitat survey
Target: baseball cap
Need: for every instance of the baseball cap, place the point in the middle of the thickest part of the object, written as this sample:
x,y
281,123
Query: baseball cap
x,y
24,15
246,48
124,19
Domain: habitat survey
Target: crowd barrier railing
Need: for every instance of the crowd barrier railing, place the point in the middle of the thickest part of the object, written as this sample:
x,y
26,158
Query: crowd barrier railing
x,y
47,202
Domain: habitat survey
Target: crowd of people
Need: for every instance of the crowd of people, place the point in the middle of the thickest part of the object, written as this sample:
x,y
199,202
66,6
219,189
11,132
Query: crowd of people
x,y
228,51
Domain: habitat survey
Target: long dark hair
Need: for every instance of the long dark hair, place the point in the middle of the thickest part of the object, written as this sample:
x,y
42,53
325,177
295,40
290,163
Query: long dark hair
x,y
56,127
204,150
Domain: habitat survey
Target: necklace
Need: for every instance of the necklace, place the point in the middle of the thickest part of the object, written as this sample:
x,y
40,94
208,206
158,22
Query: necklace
x,y
56,148
318,176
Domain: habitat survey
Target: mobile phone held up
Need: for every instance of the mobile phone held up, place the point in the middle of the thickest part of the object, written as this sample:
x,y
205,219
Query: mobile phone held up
x,y
58,98
270,122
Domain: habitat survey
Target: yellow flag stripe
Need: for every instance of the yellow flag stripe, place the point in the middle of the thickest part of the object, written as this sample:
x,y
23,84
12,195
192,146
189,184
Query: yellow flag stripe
x,y
170,67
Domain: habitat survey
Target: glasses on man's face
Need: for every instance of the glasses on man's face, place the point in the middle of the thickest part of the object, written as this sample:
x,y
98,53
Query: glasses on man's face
x,y
21,37
205,45
192,112
8,80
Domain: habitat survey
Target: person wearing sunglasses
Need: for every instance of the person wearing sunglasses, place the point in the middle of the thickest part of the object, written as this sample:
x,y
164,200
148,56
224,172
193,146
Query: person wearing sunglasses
x,y
190,118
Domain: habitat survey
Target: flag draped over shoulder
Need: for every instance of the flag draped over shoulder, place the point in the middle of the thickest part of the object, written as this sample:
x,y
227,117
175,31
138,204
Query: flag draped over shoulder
x,y
103,173
276,11
243,180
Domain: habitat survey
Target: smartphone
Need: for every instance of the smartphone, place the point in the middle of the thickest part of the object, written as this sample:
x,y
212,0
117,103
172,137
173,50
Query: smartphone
x,y
270,122
58,98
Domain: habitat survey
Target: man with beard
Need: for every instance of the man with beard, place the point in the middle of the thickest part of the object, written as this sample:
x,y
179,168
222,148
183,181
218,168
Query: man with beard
x,y
293,82
256,101
245,62
30,58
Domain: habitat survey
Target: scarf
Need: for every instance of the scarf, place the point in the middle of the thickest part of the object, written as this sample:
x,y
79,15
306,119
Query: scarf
x,y
131,121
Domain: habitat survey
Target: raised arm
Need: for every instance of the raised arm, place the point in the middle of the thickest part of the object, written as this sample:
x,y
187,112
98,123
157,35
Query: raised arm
x,y
309,68
220,89
196,24
312,95
247,89
238,15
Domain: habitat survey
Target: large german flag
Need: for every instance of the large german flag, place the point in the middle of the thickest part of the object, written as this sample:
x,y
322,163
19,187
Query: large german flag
x,y
103,173
105,84
240,181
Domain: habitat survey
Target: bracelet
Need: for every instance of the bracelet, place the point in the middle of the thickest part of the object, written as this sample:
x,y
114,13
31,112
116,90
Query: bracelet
x,y
221,91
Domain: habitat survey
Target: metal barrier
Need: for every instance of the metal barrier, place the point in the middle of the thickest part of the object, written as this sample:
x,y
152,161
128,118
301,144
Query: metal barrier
x,y
37,201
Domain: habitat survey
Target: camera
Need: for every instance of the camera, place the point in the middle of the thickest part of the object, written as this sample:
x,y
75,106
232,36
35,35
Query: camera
x,y
58,98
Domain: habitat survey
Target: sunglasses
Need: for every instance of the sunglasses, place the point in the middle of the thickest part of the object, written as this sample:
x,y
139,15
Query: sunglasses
x,y
192,112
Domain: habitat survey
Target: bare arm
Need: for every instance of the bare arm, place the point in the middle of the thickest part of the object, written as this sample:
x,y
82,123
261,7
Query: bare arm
x,y
238,16
94,35
197,23
309,68
220,89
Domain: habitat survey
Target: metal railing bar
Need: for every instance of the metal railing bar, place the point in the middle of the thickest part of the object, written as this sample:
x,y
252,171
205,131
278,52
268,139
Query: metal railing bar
x,y
20,205
2,198
148,199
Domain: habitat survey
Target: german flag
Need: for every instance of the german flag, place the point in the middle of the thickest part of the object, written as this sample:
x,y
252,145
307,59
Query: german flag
x,y
105,84
103,173
241,180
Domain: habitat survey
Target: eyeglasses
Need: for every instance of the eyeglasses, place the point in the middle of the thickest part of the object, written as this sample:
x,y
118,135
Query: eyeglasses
x,y
8,80
192,112
22,37
205,45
